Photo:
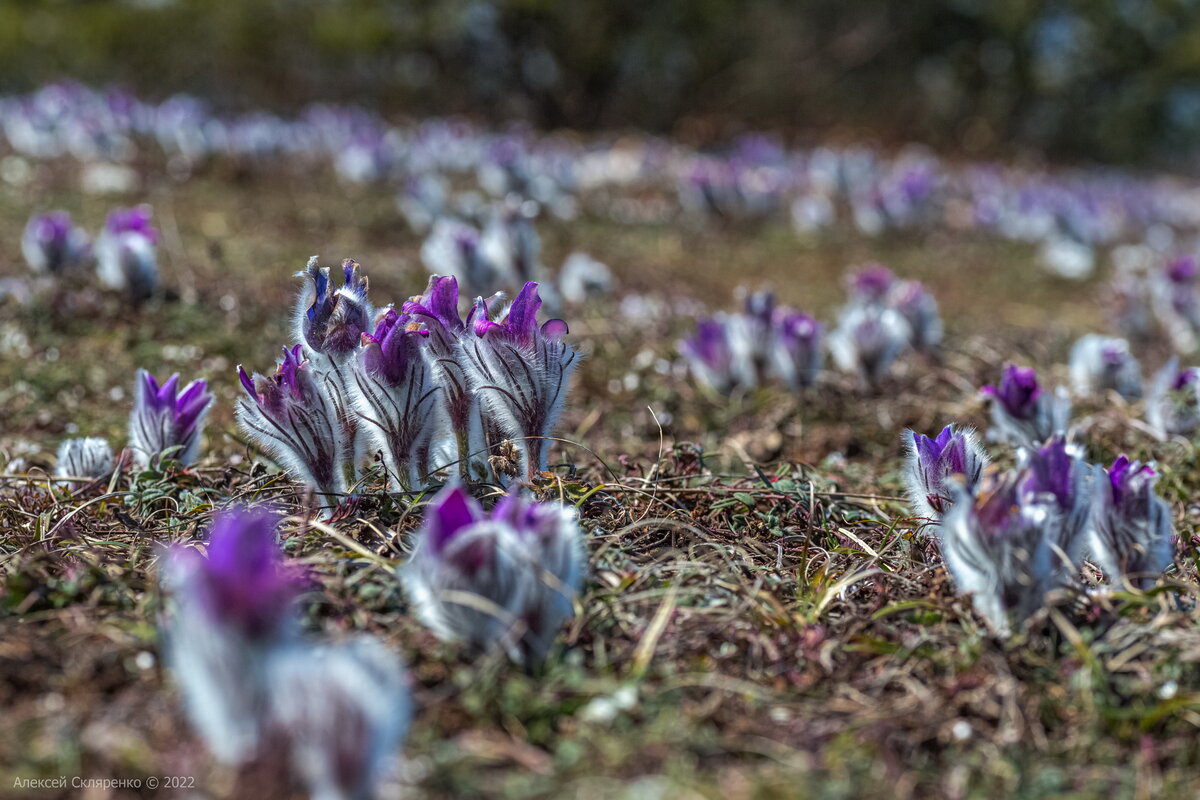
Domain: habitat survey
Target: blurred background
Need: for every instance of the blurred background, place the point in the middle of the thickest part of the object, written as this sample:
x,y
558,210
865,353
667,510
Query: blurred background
x,y
1114,81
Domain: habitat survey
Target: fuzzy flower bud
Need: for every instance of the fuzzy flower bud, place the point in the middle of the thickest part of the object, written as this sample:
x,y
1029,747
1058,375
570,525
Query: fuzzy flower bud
x,y
396,399
342,711
1100,363
125,253
1173,403
230,610
83,458
521,372
506,579
1132,533
293,418
1022,413
52,245
931,462
997,549
868,339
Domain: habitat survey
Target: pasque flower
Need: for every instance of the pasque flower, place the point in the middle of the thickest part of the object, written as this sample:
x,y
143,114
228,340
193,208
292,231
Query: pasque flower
x,y
83,458
125,253
1022,413
1054,473
748,348
292,417
254,689
231,610
867,339
396,399
1132,535
505,579
165,418
329,324
52,244
997,548
796,353
453,249
520,370
1173,402
437,311
342,710
930,464
1102,363
709,354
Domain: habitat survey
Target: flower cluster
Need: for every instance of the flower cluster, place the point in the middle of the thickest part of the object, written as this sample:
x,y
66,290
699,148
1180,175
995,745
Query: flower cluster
x,y
1008,537
507,254
255,689
417,384
506,579
885,317
124,252
746,349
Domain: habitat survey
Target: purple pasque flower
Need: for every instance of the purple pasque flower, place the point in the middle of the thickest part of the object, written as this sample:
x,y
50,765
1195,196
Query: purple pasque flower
x,y
452,248
52,244
920,310
930,463
1176,301
396,399
1022,413
89,457
868,339
709,354
796,350
331,322
997,548
504,579
292,416
165,418
1173,402
521,372
437,310
341,711
1055,473
242,583
1132,534
126,260
581,278
231,609
872,284
511,243
552,534
1102,363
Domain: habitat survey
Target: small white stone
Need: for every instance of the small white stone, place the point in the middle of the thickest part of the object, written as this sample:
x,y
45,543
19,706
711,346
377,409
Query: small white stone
x,y
961,730
144,660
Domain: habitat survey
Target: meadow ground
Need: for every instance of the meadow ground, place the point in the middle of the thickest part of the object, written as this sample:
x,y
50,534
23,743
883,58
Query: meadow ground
x,y
762,617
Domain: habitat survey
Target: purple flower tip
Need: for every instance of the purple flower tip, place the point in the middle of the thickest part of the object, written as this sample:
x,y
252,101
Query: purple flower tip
x,y
1018,391
452,510
243,582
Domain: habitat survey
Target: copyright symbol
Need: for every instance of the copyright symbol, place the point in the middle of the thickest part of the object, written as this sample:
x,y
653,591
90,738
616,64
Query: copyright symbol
x,y
152,782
